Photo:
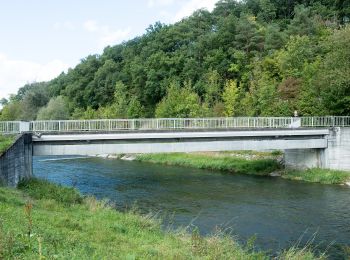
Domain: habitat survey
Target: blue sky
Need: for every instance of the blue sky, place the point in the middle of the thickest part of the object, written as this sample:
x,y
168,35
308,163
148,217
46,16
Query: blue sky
x,y
41,38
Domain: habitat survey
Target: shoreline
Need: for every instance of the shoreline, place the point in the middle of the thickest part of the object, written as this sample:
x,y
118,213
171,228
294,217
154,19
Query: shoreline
x,y
268,164
84,228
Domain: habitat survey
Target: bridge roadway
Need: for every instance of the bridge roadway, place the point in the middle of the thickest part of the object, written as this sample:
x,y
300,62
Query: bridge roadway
x,y
88,143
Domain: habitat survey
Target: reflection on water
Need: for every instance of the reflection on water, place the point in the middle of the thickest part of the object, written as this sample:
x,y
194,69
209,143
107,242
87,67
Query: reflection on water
x,y
280,213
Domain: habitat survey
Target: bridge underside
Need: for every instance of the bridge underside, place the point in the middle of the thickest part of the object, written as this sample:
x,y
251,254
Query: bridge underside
x,y
92,144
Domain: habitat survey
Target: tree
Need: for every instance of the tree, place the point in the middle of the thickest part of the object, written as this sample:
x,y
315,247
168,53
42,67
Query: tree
x,y
267,10
11,111
249,37
121,100
229,96
56,109
179,102
274,37
212,87
104,83
277,52
135,109
333,78
303,22
3,102
33,100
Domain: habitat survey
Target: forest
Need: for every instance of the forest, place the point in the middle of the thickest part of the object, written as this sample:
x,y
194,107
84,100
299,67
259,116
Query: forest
x,y
245,58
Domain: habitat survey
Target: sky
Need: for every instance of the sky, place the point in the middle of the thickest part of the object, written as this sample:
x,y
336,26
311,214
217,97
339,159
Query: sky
x,y
41,38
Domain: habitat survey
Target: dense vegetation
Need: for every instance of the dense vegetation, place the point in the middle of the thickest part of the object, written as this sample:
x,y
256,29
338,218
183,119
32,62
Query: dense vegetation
x,y
221,162
250,57
247,162
45,221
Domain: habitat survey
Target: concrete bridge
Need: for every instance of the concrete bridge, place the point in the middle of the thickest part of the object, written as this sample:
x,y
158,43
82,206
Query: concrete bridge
x,y
308,141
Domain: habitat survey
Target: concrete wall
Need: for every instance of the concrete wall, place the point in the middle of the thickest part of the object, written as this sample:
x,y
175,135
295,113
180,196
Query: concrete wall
x,y
16,163
304,158
336,156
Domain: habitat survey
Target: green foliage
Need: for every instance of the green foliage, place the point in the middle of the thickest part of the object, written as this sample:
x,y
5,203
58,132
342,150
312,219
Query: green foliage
x,y
179,102
229,96
303,22
11,111
56,109
221,163
333,78
5,142
212,87
249,36
35,98
283,55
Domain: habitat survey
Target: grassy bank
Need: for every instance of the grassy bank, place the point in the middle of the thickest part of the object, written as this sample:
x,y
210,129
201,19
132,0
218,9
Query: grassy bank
x,y
5,142
45,221
323,176
215,161
255,163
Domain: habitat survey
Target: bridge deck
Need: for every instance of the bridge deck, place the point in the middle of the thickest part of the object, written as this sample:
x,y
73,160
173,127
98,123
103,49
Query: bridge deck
x,y
158,142
180,134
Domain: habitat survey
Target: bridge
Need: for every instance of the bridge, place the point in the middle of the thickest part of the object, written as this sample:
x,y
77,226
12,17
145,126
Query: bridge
x,y
307,141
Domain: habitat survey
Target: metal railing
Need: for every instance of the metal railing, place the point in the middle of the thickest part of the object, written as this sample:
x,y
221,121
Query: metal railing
x,y
9,127
172,123
159,124
322,121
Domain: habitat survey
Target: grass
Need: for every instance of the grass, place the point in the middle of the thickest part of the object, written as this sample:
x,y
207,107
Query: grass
x,y
5,142
223,162
247,162
323,176
45,221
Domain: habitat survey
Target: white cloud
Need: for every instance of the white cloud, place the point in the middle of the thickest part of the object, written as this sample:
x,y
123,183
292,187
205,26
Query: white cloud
x,y
106,36
190,6
16,73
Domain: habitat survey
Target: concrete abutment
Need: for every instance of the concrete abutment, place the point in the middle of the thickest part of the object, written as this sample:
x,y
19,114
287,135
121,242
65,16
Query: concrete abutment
x,y
17,162
336,156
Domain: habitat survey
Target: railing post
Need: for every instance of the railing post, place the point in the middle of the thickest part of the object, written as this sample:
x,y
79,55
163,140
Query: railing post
x,y
24,126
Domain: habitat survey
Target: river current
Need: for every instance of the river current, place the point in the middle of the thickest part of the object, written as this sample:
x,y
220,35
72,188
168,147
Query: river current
x,y
278,213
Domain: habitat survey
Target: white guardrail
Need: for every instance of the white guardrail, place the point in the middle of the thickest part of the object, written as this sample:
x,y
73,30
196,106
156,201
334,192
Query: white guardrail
x,y
171,123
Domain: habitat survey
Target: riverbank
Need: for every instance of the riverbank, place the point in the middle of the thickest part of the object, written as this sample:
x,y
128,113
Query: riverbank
x,y
255,163
43,220
216,161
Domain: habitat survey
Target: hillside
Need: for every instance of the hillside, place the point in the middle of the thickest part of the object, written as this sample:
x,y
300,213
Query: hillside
x,y
252,57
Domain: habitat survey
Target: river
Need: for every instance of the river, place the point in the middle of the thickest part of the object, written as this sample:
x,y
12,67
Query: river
x,y
279,213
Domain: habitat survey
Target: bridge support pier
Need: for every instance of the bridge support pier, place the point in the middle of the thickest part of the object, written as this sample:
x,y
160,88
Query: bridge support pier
x,y
336,156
